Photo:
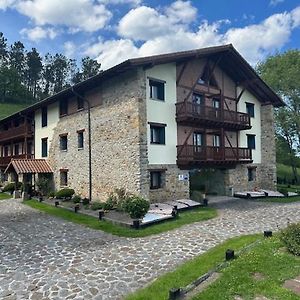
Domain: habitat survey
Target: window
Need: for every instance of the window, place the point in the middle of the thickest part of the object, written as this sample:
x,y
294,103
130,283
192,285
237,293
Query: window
x,y
157,89
80,139
251,174
197,141
6,151
155,180
250,109
63,177
157,133
197,98
44,116
64,142
16,149
216,103
45,147
207,77
251,141
216,141
63,107
80,103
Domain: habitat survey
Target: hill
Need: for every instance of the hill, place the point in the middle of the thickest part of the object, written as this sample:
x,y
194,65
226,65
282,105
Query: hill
x,y
7,109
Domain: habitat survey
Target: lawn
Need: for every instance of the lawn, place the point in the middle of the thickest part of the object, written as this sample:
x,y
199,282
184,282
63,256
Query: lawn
x,y
7,109
285,172
272,265
268,258
187,217
289,187
280,199
190,271
4,196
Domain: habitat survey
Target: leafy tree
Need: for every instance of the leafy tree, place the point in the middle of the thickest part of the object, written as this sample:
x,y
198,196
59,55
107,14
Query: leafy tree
x,y
90,67
3,50
17,57
282,73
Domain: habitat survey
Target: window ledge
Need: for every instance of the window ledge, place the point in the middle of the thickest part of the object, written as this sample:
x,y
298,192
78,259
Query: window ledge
x,y
156,99
80,109
158,144
63,150
80,149
156,189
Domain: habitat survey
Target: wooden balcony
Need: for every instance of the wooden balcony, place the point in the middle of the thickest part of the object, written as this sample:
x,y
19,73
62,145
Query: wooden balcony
x,y
4,161
192,114
16,132
189,156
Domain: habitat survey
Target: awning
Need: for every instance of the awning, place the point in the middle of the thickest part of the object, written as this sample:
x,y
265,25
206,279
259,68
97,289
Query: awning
x,y
28,166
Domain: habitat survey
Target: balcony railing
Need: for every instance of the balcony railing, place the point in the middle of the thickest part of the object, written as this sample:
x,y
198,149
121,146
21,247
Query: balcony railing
x,y
4,161
189,155
191,113
16,132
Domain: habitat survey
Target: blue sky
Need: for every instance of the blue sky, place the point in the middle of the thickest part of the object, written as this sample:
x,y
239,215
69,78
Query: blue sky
x,y
114,30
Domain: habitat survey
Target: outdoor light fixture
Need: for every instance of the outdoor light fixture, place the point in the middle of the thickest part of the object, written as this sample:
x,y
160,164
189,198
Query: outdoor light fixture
x,y
76,208
101,214
41,198
136,224
56,203
268,233
229,254
174,293
205,202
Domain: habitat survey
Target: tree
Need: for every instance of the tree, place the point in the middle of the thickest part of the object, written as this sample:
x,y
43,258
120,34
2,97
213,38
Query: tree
x,y
17,57
3,50
282,73
89,67
33,71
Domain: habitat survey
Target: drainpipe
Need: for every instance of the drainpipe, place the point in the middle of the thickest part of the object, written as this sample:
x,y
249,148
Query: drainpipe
x,y
90,139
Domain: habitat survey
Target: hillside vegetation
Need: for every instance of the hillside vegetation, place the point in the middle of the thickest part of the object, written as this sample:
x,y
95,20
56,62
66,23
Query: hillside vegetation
x,y
7,109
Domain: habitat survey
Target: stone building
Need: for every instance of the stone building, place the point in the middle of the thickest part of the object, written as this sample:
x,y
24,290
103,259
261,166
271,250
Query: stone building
x,y
153,121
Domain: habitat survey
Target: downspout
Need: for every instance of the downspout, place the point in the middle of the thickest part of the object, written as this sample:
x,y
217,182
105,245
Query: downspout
x,y
90,139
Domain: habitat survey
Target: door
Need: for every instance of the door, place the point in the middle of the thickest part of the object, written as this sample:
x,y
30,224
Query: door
x,y
198,144
198,101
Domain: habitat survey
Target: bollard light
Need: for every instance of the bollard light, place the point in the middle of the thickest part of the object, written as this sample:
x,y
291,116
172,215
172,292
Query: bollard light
x,y
229,254
268,233
41,198
101,214
136,224
76,208
174,293
205,202
56,203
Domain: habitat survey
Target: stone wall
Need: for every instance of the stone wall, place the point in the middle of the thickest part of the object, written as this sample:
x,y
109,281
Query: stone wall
x,y
172,187
265,176
119,146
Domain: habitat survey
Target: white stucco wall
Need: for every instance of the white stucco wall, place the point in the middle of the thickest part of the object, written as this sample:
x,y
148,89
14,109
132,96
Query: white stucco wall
x,y
163,112
255,123
47,131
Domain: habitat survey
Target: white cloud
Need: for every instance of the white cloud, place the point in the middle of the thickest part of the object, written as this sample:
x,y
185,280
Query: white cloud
x,y
275,2
82,15
4,4
144,23
38,33
182,11
116,2
69,49
254,42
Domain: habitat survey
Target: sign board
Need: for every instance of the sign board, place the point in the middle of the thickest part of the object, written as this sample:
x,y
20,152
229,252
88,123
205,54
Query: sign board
x,y
183,177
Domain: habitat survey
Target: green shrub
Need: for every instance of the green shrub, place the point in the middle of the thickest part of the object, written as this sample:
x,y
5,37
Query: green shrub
x,y
111,202
197,195
85,201
136,206
10,187
44,185
65,193
97,205
76,199
51,194
290,236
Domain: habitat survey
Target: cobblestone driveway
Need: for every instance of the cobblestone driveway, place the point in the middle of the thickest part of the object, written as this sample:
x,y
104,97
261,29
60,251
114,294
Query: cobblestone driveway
x,y
42,257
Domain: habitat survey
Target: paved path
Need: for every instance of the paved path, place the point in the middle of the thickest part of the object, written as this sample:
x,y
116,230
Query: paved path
x,y
42,257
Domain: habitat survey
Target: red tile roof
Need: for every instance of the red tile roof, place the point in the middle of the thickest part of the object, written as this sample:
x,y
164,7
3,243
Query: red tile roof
x,y
25,166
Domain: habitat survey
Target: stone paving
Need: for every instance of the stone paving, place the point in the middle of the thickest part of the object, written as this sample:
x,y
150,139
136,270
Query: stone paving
x,y
42,257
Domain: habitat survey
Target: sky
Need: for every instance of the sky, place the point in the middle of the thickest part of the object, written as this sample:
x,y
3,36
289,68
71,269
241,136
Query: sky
x,y
112,31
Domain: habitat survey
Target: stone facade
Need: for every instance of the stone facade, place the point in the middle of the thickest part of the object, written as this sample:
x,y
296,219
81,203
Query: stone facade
x,y
119,148
265,172
172,188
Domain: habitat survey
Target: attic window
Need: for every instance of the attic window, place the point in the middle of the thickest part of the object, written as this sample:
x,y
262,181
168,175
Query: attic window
x,y
207,77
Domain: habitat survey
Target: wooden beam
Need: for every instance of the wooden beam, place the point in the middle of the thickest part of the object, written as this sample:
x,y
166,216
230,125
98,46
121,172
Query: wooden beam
x,y
228,140
185,141
181,72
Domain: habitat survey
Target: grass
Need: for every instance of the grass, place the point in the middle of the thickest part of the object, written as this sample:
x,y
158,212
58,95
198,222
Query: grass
x,y
189,271
289,187
270,260
4,196
7,109
285,172
188,217
280,199
267,258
